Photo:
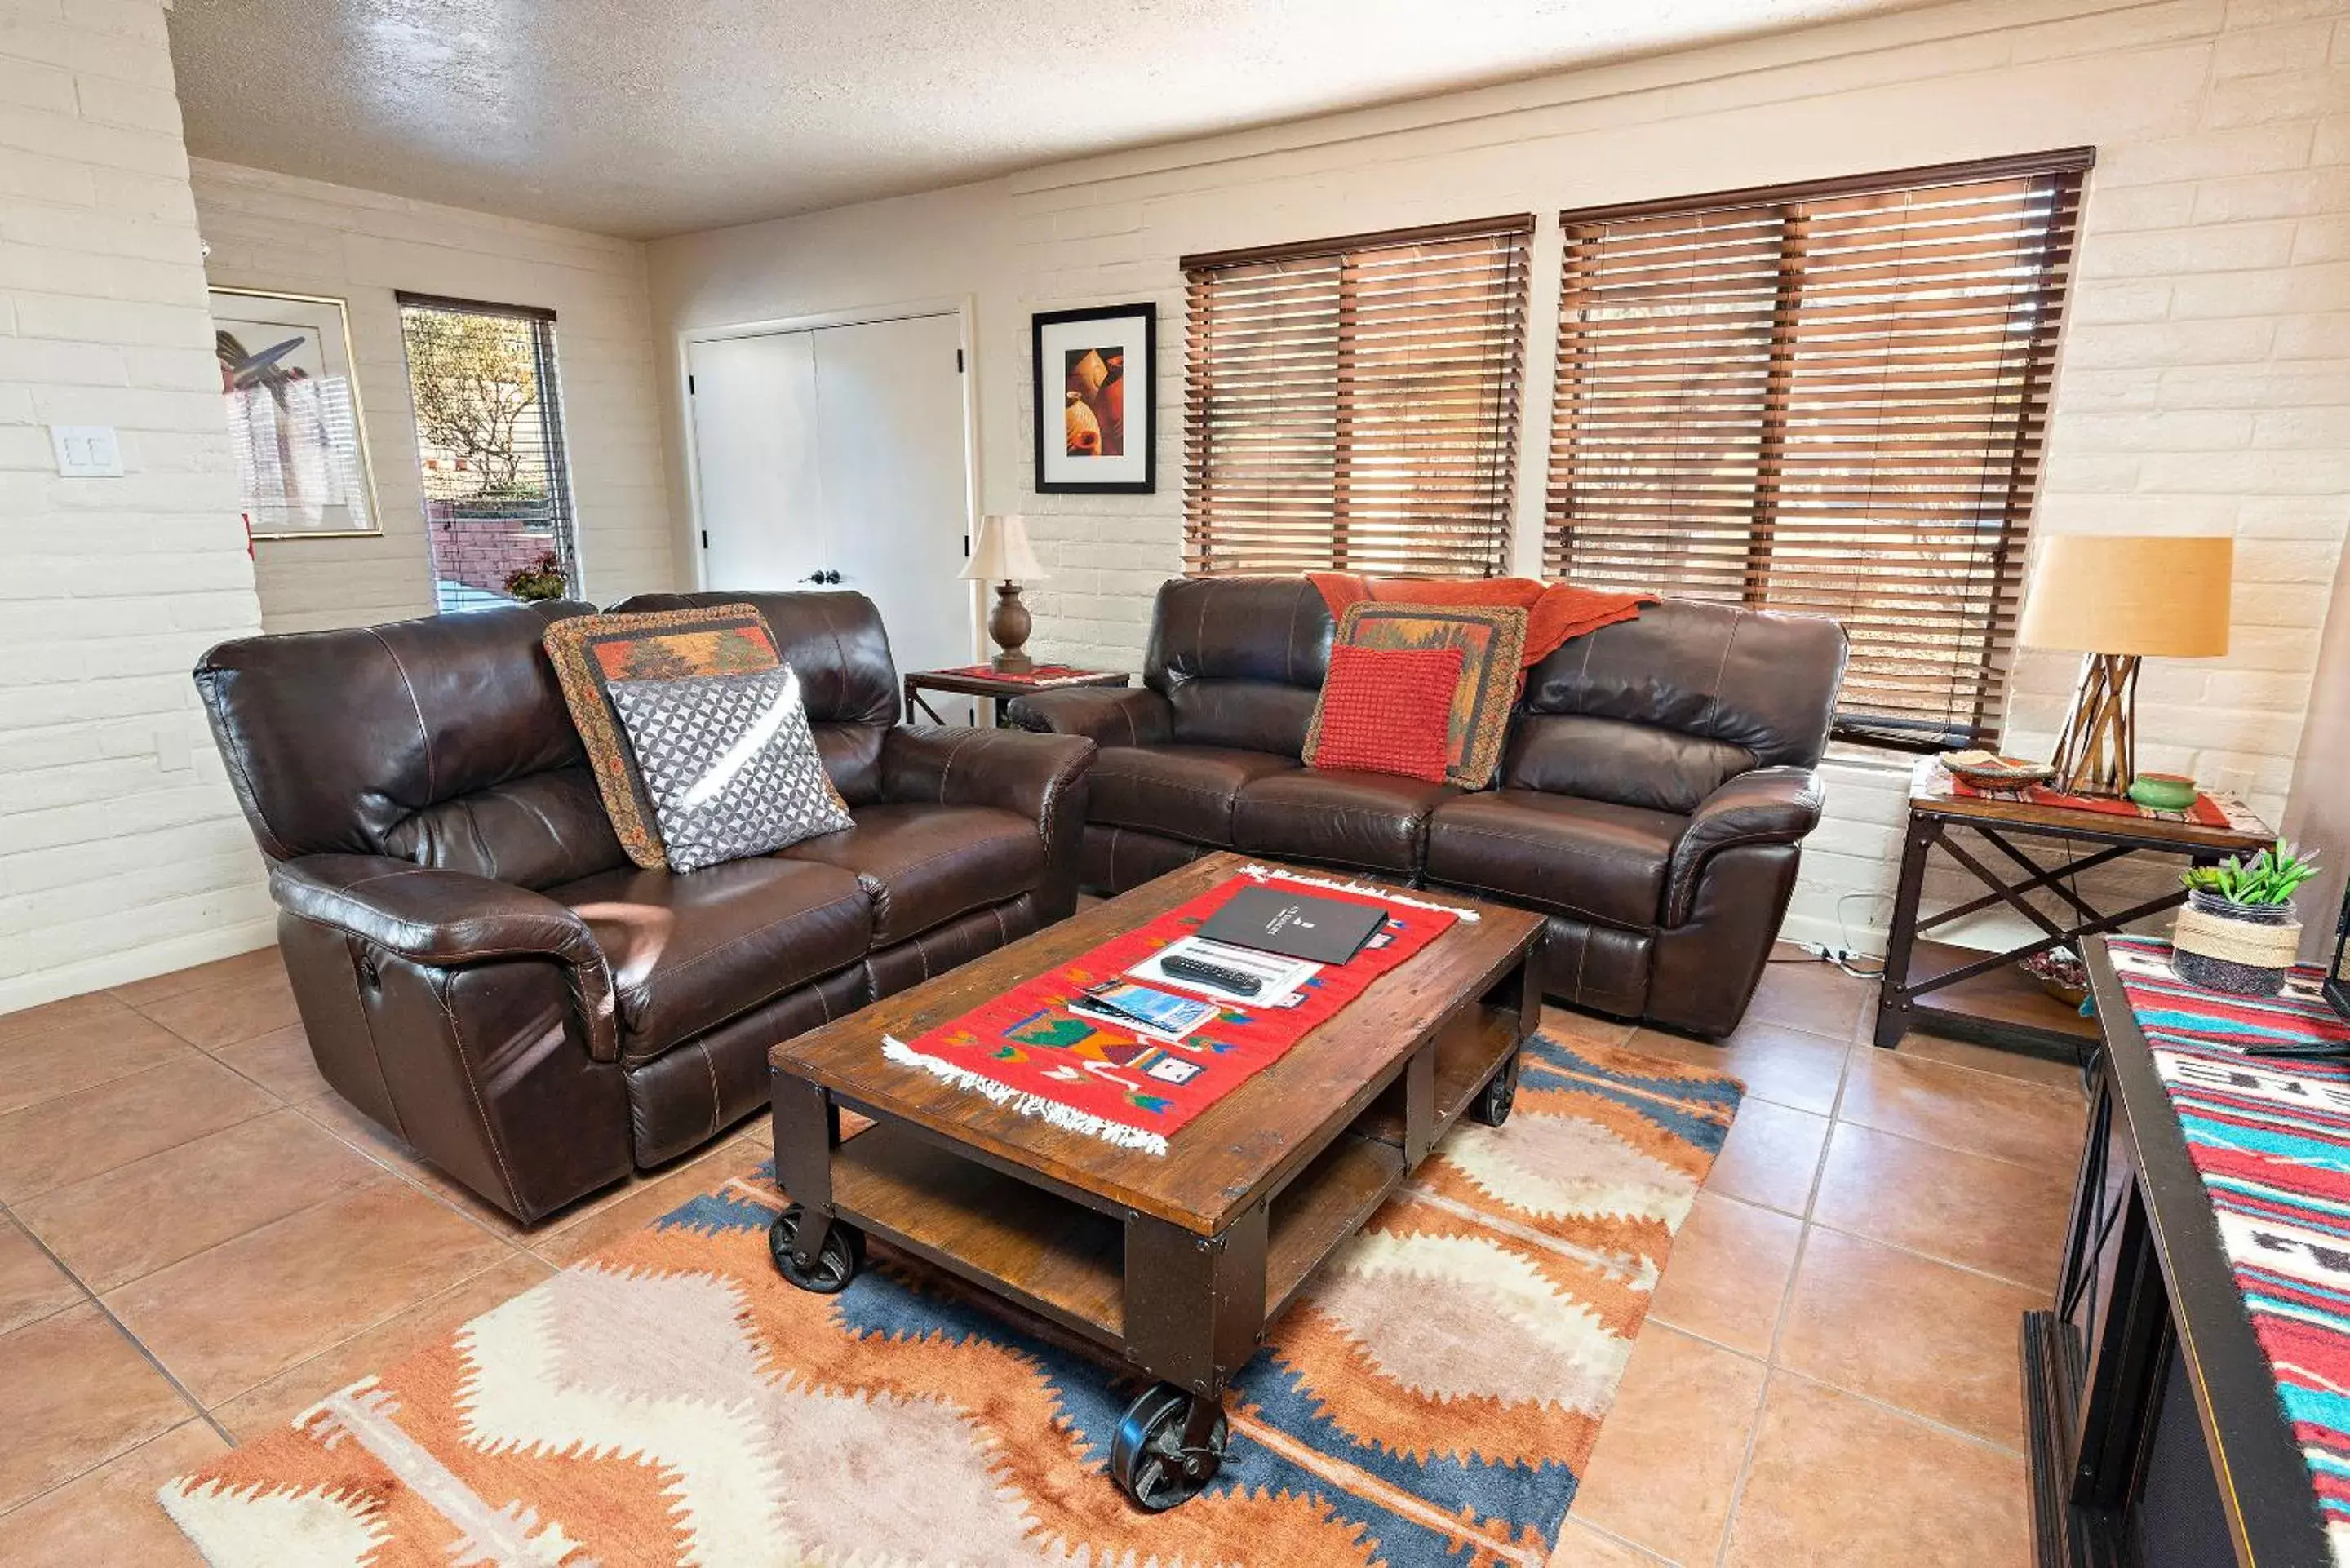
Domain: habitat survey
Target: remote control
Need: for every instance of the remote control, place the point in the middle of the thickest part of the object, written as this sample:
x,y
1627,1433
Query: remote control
x,y
1238,981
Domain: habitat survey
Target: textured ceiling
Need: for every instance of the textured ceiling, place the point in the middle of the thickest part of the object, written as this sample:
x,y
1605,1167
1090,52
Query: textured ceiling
x,y
653,117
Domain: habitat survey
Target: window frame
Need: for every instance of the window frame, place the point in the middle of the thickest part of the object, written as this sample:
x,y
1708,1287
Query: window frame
x,y
1492,535
562,496
2014,413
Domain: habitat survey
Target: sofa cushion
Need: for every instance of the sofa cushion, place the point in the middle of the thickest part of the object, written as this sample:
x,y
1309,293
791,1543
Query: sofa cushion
x,y
922,864
1591,858
1491,637
1385,710
1182,792
1373,820
691,951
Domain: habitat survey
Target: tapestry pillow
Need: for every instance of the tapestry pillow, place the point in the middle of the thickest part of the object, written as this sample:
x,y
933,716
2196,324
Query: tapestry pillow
x,y
730,764
591,651
1492,639
1385,710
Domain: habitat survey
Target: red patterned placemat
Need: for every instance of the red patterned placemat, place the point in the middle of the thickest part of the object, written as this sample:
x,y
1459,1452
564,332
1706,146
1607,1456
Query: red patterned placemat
x,y
2205,812
1027,1049
1041,675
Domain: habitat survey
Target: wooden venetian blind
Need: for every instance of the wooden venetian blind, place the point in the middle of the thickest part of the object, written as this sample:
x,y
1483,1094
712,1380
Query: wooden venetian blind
x,y
1353,403
1828,398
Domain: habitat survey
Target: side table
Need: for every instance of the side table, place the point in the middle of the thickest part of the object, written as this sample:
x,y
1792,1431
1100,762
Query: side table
x,y
985,680
1940,818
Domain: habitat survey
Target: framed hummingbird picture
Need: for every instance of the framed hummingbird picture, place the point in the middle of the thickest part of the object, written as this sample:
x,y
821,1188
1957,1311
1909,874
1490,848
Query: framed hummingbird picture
x,y
286,367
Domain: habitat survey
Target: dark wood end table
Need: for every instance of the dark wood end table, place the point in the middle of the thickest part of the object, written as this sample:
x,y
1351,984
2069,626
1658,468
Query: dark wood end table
x,y
1173,1262
1974,1002
979,680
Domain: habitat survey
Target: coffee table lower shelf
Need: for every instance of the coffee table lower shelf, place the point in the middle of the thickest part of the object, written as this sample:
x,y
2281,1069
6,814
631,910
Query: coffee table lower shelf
x,y
1186,1308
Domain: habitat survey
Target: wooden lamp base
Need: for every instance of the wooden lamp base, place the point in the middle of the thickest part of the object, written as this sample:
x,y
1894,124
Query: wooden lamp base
x,y
2098,755
1008,624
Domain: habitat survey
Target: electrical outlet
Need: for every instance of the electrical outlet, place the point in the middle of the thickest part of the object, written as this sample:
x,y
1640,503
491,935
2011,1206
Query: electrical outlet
x,y
86,452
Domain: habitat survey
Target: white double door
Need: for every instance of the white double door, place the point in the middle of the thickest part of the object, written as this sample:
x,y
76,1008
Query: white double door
x,y
834,457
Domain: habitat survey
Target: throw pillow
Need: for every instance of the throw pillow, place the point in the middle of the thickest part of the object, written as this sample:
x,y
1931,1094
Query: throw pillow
x,y
1492,639
1385,710
591,651
730,763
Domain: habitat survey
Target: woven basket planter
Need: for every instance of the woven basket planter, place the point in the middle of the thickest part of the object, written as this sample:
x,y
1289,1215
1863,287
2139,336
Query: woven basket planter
x,y
2242,949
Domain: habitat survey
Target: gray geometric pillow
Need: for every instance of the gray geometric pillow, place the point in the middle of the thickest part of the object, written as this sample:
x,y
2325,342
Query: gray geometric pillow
x,y
730,763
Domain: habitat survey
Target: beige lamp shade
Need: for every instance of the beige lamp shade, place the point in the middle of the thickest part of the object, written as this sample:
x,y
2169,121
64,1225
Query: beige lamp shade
x,y
2160,596
1001,553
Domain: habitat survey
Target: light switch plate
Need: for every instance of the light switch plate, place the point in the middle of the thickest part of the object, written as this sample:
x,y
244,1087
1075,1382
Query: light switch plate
x,y
86,452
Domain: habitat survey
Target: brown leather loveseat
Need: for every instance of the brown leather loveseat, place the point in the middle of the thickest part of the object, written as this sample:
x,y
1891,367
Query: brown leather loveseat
x,y
1656,781
481,969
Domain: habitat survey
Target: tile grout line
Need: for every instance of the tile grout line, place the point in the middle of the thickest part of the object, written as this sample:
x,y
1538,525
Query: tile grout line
x,y
137,1344
1779,1324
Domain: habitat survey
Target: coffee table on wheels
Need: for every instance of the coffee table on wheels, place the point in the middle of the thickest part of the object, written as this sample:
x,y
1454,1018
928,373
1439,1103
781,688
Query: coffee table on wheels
x,y
1175,1262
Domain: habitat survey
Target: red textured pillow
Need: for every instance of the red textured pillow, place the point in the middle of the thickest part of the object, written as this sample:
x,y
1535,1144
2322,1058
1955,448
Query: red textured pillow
x,y
1385,710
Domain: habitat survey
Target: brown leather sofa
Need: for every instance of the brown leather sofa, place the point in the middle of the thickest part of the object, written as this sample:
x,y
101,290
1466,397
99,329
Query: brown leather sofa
x,y
1656,781
484,972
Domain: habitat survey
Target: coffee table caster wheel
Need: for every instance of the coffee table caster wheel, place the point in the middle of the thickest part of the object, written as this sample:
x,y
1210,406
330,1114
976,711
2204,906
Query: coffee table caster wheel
x,y
1491,1105
837,1258
1150,1459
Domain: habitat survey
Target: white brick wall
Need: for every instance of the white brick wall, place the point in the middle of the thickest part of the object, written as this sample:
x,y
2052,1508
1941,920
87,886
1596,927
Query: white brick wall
x,y
277,232
121,851
2206,379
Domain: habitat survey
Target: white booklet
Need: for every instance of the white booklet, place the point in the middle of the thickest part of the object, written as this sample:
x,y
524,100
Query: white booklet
x,y
1281,977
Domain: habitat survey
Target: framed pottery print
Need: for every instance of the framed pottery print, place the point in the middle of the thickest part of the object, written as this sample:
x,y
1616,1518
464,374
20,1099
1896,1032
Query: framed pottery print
x,y
302,467
1099,369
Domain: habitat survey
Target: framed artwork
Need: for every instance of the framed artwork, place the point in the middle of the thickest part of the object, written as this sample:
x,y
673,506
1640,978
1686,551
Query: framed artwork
x,y
302,468
1099,369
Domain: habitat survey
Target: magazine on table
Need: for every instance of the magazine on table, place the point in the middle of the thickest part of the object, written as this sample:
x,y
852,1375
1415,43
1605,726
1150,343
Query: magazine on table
x,y
1280,980
1144,1010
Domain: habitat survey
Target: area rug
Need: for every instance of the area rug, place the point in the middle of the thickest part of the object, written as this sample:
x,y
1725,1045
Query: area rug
x,y
1433,1398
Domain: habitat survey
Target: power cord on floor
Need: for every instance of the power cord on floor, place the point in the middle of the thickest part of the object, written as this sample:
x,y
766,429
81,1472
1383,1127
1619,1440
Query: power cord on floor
x,y
1844,955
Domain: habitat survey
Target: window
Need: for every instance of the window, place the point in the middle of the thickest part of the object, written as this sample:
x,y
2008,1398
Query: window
x,y
489,434
1353,403
1827,398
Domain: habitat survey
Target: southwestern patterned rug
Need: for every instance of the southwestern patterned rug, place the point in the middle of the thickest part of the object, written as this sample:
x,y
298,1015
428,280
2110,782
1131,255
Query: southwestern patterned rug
x,y
1433,1398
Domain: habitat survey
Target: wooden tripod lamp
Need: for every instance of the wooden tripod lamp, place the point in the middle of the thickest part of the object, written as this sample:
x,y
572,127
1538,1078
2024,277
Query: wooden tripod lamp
x,y
2118,598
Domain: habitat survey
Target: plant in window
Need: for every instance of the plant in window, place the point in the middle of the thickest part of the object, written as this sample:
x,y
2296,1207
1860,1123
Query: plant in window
x,y
542,579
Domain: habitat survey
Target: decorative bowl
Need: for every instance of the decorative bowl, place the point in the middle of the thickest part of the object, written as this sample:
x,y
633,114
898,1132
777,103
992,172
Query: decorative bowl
x,y
2060,973
2163,792
1980,770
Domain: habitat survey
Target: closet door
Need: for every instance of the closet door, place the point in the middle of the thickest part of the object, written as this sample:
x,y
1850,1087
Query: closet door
x,y
894,479
756,441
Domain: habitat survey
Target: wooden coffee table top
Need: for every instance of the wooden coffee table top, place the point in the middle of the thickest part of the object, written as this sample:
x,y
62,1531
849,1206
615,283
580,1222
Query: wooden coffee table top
x,y
1237,1149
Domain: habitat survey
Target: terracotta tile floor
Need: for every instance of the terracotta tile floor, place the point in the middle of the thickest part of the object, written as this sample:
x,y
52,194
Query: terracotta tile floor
x,y
197,1239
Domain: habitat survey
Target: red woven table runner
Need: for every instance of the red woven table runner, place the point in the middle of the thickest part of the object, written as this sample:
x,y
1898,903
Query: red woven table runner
x,y
2205,811
1027,1049
1040,675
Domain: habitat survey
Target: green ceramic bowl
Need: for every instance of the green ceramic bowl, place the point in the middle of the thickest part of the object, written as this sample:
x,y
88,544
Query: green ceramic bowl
x,y
2163,792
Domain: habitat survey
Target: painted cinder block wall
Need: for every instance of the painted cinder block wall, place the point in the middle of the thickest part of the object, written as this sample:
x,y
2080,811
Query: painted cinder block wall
x,y
278,232
2205,380
121,849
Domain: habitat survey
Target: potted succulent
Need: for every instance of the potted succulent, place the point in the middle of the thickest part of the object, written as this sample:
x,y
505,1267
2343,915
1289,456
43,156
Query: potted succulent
x,y
2238,933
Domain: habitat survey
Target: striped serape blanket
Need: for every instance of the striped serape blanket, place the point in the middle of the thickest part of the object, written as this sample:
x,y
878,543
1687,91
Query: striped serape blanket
x,y
2272,1137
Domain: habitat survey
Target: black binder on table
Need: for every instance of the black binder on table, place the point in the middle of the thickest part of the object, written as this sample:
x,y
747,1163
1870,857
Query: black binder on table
x,y
1294,925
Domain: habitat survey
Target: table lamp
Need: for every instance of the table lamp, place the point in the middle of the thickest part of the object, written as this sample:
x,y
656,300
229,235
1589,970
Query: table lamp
x,y
1001,556
2118,598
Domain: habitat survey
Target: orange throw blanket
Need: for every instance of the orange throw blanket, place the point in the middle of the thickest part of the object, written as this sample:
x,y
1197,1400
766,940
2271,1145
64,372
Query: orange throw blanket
x,y
1556,612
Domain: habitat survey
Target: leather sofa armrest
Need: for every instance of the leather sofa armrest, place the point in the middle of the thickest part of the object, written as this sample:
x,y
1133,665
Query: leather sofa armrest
x,y
1764,805
449,919
1106,715
1026,774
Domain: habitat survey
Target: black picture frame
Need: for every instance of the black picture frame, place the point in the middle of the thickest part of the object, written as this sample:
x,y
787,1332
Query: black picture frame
x,y
1051,395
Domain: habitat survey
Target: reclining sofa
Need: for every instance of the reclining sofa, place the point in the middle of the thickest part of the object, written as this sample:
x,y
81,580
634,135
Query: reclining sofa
x,y
1656,781
484,973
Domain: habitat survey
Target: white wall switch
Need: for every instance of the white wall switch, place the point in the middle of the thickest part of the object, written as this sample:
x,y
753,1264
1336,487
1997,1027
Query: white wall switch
x,y
86,452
